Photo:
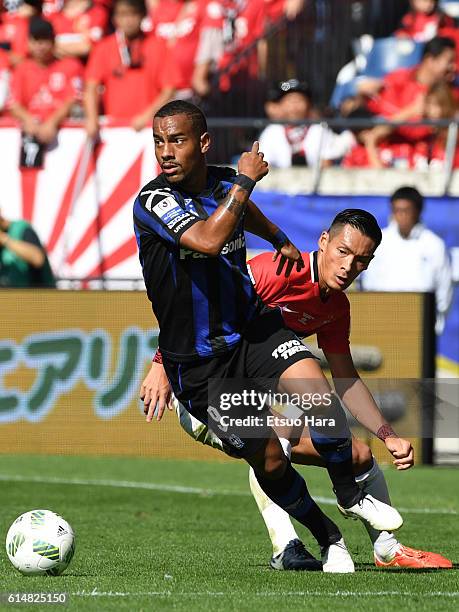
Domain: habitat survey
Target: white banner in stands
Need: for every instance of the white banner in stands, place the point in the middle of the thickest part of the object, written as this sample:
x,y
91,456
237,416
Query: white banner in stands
x,y
80,203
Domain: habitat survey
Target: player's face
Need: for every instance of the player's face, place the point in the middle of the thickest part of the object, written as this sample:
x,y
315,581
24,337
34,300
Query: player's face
x,y
405,214
343,257
179,150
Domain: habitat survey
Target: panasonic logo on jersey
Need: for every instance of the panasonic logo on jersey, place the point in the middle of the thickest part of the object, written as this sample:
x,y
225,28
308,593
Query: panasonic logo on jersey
x,y
230,247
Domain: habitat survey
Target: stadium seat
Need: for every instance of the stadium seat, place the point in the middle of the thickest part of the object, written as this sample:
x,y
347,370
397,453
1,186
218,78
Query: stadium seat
x,y
389,54
377,59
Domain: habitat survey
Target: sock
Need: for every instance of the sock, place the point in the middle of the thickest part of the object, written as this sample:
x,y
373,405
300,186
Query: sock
x,y
385,544
291,494
334,445
278,523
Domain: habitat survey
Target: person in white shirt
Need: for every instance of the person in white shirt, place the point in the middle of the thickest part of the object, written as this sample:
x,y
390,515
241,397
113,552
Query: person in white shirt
x,y
411,257
291,145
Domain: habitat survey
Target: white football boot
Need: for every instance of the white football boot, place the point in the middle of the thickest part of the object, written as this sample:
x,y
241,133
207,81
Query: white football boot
x,y
375,513
336,559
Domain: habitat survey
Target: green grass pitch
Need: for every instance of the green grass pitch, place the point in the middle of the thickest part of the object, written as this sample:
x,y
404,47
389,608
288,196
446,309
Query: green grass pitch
x,y
186,535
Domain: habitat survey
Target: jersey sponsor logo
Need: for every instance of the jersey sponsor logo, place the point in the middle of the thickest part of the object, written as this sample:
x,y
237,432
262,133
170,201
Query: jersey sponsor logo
x,y
230,247
182,224
289,348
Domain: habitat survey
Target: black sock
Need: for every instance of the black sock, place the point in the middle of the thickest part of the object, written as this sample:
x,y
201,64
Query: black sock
x,y
334,445
291,494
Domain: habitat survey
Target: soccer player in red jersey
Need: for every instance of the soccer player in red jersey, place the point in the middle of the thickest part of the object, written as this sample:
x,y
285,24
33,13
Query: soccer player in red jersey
x,y
312,301
43,88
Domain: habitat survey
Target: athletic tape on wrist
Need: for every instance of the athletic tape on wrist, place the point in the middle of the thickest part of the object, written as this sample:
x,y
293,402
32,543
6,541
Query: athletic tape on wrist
x,y
245,182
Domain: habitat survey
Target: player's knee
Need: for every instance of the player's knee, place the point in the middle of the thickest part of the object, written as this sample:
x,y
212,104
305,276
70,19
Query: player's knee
x,y
362,458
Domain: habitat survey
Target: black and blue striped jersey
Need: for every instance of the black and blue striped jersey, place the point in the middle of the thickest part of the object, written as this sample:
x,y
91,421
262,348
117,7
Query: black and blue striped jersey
x,y
202,303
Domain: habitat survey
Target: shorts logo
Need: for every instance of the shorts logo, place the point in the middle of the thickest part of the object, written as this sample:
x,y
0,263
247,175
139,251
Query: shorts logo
x,y
235,441
289,348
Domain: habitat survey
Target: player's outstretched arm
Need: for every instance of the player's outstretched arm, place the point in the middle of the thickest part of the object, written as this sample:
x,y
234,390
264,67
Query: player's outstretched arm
x,y
155,392
256,223
361,404
211,235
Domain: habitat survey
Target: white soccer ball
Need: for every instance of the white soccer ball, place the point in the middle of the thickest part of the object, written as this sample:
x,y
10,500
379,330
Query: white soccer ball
x,y
40,542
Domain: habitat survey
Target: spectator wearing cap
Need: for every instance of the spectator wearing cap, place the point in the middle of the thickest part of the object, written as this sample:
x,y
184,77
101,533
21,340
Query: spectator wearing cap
x,y
14,29
285,145
411,257
137,73
43,88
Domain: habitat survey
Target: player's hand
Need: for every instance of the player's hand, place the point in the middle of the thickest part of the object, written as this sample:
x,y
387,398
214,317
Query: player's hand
x,y
252,163
402,451
155,392
139,122
289,257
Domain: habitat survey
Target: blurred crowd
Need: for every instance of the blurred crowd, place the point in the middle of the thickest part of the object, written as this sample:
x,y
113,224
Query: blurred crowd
x,y
123,59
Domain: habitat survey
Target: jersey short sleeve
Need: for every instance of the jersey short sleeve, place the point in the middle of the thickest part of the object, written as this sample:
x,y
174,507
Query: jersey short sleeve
x,y
333,337
160,212
267,284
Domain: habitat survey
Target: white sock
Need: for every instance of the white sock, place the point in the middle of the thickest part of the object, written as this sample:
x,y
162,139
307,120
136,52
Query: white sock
x,y
385,544
278,523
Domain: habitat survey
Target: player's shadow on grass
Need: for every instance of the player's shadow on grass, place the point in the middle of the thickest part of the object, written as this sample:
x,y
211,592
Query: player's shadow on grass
x,y
370,567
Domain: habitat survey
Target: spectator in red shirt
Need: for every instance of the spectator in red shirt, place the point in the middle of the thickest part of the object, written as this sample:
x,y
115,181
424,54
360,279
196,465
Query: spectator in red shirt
x,y
137,73
439,104
78,25
14,29
424,21
403,91
43,88
178,23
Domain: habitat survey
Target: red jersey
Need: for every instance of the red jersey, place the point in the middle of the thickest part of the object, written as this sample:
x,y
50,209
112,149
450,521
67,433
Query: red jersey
x,y
43,89
179,25
249,24
400,89
133,75
92,23
421,27
14,29
298,298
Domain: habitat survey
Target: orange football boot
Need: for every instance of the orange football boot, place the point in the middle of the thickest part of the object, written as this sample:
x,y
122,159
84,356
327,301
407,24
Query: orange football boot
x,y
416,559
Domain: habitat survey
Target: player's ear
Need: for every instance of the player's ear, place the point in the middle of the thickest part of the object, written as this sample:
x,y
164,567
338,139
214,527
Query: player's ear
x,y
205,142
323,240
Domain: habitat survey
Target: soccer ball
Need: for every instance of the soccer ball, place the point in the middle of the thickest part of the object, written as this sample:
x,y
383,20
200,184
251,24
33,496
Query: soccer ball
x,y
40,542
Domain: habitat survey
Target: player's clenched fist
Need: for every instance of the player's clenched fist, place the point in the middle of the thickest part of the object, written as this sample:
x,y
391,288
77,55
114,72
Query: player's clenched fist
x,y
252,163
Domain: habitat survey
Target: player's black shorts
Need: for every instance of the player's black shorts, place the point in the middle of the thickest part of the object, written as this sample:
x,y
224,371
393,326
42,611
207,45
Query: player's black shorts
x,y
266,350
